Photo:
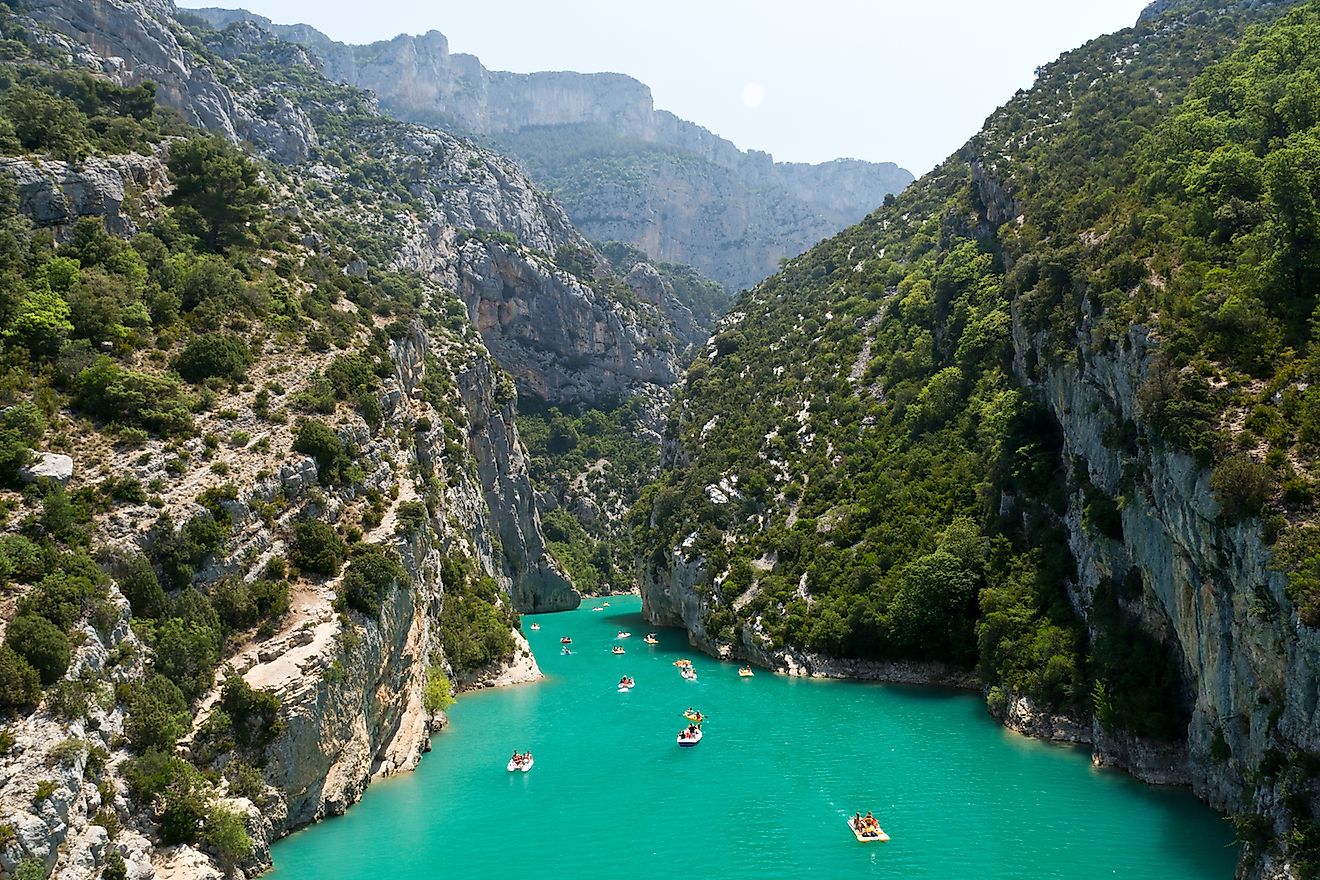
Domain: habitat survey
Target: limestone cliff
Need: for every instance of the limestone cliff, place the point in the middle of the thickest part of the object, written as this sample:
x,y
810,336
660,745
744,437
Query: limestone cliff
x,y
683,195
455,188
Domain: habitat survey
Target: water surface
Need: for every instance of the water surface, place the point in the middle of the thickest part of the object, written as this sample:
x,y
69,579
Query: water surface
x,y
764,795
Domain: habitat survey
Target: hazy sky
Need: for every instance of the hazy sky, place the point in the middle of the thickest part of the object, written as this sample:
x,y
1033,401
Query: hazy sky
x,y
906,81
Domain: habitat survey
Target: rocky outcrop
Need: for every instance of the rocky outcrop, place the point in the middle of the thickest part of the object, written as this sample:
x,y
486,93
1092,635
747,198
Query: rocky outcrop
x,y
693,198
673,595
1208,588
559,338
135,41
56,194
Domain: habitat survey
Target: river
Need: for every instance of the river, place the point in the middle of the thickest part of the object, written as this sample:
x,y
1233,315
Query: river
x,y
765,794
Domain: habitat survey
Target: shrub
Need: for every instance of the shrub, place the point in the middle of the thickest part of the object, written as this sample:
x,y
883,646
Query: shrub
x,y
317,548
213,355
20,683
1242,486
225,832
255,713
180,553
21,426
137,581
187,647
317,440
370,574
157,715
42,644
439,694
111,392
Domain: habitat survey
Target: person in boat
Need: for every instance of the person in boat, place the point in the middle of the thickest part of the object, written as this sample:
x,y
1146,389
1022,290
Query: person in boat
x,y
516,757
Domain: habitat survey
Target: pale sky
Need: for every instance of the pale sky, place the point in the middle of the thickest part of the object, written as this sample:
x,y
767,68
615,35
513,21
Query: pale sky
x,y
904,81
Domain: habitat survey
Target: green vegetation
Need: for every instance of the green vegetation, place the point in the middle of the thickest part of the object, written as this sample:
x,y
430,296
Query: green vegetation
x,y
597,462
439,693
317,548
867,474
474,618
371,574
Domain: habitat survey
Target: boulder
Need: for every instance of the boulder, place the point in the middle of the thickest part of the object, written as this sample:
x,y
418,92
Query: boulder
x,y
47,466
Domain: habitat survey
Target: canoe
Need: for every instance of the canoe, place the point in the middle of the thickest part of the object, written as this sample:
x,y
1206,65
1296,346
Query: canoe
x,y
524,766
878,837
685,741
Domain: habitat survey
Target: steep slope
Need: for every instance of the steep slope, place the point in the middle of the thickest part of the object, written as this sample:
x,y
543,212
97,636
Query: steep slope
x,y
1049,417
263,493
623,170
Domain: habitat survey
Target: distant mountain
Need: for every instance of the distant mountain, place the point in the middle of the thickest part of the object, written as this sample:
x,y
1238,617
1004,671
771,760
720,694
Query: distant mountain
x,y
622,169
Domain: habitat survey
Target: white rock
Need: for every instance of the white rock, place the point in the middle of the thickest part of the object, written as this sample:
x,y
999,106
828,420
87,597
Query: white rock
x,y
47,466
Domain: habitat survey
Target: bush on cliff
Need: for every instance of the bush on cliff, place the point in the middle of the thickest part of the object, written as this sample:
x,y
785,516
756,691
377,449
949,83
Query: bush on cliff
x,y
317,548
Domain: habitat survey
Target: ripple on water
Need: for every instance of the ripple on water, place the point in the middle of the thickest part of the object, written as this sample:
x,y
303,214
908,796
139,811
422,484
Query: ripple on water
x,y
766,793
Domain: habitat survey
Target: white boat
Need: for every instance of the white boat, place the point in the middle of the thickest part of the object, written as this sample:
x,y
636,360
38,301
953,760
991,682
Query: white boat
x,y
623,635
523,765
617,649
651,639
536,626
872,834
626,685
746,672
599,608
689,673
689,737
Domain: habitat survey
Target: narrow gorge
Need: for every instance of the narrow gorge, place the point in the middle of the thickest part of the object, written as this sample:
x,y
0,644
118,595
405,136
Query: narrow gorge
x,y
323,364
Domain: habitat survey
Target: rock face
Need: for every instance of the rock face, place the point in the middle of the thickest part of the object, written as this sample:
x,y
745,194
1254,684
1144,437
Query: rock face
x,y
1208,588
133,41
56,194
693,197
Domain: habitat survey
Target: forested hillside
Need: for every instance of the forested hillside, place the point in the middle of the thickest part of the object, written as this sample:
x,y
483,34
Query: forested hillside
x,y
1051,413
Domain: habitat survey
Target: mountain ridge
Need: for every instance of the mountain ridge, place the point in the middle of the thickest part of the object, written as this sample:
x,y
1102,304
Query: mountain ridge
x,y
532,115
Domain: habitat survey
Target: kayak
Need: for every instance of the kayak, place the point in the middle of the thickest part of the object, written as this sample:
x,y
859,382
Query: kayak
x,y
876,836
688,740
524,766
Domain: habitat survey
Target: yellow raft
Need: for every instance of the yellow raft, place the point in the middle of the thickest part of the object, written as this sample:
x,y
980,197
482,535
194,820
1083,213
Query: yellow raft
x,y
878,836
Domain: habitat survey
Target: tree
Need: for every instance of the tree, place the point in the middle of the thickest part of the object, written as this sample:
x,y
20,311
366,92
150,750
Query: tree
x,y
221,355
42,644
316,548
45,122
20,685
216,191
321,443
157,715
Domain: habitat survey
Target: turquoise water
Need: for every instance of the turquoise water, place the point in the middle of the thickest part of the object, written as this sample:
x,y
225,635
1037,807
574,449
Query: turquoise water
x,y
764,795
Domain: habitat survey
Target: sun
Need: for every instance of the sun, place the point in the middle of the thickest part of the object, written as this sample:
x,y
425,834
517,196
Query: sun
x,y
753,94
